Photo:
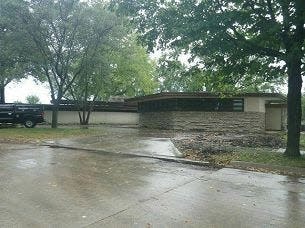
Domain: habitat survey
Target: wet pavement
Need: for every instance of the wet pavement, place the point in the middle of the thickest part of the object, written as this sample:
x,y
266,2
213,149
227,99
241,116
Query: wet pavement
x,y
43,187
127,141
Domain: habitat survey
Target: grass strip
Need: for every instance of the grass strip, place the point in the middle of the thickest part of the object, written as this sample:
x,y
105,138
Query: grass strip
x,y
38,134
269,157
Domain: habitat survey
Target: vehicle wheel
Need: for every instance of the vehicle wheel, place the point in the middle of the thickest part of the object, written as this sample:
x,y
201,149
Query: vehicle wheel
x,y
29,123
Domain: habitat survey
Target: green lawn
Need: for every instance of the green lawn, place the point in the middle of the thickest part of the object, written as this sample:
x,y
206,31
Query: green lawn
x,y
257,155
266,156
20,134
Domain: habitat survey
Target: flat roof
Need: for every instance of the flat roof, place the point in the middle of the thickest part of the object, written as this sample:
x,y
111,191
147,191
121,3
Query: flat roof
x,y
99,106
168,95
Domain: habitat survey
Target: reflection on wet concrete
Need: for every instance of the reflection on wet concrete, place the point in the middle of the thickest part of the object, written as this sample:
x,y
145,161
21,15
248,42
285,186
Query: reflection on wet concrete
x,y
57,188
295,200
127,140
27,163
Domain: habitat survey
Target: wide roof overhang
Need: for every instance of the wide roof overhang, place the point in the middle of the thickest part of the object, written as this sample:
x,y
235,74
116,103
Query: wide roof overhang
x,y
171,95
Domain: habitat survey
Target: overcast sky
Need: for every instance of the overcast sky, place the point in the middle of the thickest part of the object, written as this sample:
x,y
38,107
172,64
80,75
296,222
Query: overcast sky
x,y
19,91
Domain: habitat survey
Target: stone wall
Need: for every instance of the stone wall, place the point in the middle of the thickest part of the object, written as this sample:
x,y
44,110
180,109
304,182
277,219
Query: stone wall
x,y
205,121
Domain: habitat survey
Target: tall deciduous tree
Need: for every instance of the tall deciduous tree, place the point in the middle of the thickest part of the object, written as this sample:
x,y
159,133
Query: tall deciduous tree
x,y
120,68
14,48
66,34
235,37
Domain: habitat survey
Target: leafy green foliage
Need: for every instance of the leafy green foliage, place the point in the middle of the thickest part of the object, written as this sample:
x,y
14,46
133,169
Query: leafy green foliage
x,y
235,44
72,43
132,70
176,76
14,47
32,99
121,68
67,36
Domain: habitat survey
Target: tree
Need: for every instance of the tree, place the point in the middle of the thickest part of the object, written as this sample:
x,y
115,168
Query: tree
x,y
132,70
66,34
120,68
175,76
234,37
303,107
32,99
14,49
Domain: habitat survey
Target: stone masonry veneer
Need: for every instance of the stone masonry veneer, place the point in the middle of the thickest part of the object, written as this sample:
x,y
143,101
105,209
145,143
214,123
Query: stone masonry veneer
x,y
205,121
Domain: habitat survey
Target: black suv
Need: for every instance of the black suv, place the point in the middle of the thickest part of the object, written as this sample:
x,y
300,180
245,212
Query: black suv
x,y
28,115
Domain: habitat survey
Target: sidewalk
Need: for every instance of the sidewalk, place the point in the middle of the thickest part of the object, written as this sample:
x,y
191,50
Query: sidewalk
x,y
156,145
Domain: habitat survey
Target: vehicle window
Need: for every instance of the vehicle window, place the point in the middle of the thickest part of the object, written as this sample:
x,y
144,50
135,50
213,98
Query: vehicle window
x,y
5,108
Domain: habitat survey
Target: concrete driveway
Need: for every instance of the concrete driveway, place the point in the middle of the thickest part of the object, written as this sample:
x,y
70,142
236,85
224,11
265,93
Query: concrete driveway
x,y
47,187
135,141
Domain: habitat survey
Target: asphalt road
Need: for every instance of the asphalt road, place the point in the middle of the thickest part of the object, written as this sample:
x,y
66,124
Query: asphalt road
x,y
47,187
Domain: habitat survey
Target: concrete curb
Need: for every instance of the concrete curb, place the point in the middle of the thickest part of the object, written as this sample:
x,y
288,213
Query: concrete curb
x,y
294,171
162,158
234,164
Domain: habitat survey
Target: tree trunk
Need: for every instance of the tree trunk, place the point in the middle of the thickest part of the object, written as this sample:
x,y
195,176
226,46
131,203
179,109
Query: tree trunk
x,y
55,114
84,113
88,116
80,117
294,109
2,94
84,118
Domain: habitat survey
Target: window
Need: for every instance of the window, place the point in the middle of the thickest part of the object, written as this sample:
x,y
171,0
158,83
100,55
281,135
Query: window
x,y
193,104
6,108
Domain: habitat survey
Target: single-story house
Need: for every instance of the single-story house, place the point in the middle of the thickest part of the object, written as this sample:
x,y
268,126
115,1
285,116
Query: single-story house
x,y
247,112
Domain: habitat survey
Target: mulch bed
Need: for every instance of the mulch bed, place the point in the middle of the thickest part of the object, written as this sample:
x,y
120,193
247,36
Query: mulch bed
x,y
203,145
